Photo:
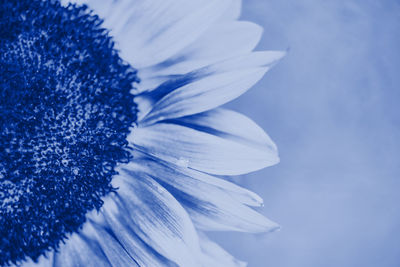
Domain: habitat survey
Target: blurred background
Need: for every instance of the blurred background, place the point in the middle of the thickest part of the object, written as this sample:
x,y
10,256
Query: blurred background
x,y
332,107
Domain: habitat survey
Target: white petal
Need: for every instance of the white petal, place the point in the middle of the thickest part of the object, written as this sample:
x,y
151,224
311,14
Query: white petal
x,y
147,96
153,77
221,214
234,10
215,256
78,251
158,29
201,151
168,83
204,94
157,218
210,207
224,40
120,225
231,125
251,60
112,248
186,179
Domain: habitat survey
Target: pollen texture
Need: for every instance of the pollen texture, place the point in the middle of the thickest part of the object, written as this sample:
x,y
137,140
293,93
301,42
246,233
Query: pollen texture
x,y
65,112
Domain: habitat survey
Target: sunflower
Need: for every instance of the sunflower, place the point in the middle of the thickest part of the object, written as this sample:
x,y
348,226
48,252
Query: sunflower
x,y
113,148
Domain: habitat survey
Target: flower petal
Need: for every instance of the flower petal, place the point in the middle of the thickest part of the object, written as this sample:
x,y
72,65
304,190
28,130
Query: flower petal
x,y
120,225
157,218
158,30
229,124
79,251
111,247
156,86
205,94
186,179
215,256
209,205
223,41
200,150
251,60
234,10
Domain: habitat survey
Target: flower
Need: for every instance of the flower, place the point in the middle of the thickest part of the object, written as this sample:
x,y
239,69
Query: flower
x,y
113,143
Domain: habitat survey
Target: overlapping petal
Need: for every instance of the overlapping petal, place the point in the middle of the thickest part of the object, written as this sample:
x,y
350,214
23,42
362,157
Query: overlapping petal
x,y
161,88
120,225
224,41
230,125
205,94
212,203
215,256
158,30
200,150
157,218
233,11
187,179
80,251
112,248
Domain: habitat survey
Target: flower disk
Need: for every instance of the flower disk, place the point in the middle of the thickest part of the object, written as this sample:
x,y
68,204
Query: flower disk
x,y
66,109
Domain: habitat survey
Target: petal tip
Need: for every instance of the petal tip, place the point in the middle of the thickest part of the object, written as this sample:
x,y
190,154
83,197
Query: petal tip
x,y
276,228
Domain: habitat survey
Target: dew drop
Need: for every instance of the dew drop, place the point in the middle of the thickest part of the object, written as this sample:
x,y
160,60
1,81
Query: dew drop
x,y
182,162
160,189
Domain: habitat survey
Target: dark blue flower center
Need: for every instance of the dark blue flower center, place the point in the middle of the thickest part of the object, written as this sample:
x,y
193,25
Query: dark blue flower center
x,y
65,112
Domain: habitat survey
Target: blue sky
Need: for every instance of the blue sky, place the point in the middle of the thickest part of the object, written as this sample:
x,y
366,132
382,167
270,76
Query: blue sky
x,y
332,108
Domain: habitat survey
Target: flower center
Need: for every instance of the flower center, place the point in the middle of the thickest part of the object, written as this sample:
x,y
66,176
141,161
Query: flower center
x,y
65,112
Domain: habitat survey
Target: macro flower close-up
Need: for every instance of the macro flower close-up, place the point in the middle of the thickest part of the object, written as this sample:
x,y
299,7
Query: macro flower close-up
x,y
114,147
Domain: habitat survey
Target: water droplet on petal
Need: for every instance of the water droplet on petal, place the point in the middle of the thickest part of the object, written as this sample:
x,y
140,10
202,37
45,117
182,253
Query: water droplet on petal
x,y
160,189
182,162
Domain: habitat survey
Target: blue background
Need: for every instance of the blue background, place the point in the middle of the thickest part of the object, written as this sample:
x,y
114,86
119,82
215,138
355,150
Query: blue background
x,y
332,108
